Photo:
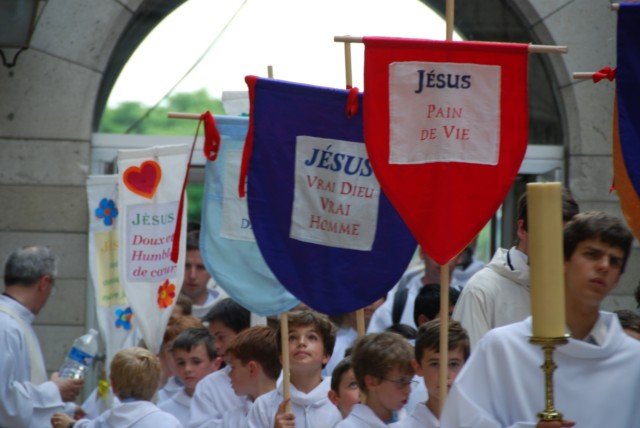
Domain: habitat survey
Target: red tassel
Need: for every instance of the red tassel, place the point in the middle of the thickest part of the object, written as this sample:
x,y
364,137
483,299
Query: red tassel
x,y
604,73
352,103
211,136
248,142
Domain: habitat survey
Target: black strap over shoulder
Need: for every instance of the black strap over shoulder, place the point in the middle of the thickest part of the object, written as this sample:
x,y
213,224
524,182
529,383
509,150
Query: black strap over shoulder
x,y
400,296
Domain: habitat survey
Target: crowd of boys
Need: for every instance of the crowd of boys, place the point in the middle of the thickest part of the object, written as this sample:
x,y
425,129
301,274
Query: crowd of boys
x,y
218,371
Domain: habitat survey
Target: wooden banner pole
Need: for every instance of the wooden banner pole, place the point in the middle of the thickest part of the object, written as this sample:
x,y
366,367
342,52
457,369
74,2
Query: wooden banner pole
x,y
443,369
360,322
284,345
449,13
444,334
582,75
347,64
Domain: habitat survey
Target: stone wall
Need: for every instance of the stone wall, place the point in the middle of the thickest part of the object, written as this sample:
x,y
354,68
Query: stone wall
x,y
588,28
46,114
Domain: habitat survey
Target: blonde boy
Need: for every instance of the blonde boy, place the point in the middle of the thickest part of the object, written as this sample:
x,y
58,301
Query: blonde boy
x,y
311,341
344,391
194,357
255,367
382,365
427,363
134,378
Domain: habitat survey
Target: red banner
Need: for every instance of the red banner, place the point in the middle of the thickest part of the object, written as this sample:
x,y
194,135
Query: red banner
x,y
446,127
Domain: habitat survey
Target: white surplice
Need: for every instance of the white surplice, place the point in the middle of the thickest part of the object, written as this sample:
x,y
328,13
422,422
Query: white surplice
x,y
133,414
23,403
178,404
312,410
213,396
496,295
421,417
502,385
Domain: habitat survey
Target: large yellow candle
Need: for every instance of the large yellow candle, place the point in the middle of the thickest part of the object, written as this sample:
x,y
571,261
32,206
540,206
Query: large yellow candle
x,y
546,259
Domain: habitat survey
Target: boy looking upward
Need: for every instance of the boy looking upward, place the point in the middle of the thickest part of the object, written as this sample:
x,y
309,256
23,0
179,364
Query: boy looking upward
x,y
255,367
427,365
502,384
311,341
344,391
382,365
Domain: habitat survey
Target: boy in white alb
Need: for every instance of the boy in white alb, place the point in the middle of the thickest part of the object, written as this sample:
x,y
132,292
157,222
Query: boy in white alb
x,y
255,367
311,341
345,392
382,365
170,384
194,357
502,384
213,395
135,373
427,365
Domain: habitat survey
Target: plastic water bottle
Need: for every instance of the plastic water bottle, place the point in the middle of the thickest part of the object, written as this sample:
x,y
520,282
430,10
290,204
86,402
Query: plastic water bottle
x,y
80,357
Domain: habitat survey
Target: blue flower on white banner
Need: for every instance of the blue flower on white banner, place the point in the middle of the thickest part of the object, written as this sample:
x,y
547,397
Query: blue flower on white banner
x,y
123,318
107,211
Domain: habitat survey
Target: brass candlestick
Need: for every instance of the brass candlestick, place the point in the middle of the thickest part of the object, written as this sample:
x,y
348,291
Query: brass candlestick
x,y
548,345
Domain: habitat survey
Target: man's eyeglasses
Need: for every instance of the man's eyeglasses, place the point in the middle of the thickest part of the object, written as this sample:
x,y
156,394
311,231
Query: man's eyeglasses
x,y
401,382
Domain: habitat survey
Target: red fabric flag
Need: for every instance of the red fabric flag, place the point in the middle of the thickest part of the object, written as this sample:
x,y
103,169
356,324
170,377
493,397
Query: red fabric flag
x,y
446,127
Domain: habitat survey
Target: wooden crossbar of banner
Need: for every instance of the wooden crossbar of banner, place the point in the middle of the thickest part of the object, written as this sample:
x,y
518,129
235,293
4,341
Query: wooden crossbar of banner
x,y
583,75
532,48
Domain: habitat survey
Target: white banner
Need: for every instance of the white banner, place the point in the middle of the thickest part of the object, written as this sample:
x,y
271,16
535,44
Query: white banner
x,y
444,112
336,195
115,317
149,189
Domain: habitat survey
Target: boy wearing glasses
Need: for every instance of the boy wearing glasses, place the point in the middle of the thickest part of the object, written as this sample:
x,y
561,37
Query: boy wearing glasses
x,y
427,363
382,365
311,340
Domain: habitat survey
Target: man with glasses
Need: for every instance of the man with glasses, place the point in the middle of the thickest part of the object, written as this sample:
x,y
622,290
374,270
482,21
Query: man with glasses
x,y
27,399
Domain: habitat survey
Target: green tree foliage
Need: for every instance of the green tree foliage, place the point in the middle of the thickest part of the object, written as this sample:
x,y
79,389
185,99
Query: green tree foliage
x,y
116,120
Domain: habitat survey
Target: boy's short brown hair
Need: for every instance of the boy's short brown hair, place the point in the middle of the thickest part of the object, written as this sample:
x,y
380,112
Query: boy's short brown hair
x,y
135,373
258,344
377,354
339,371
597,225
185,304
321,322
192,337
429,338
179,324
